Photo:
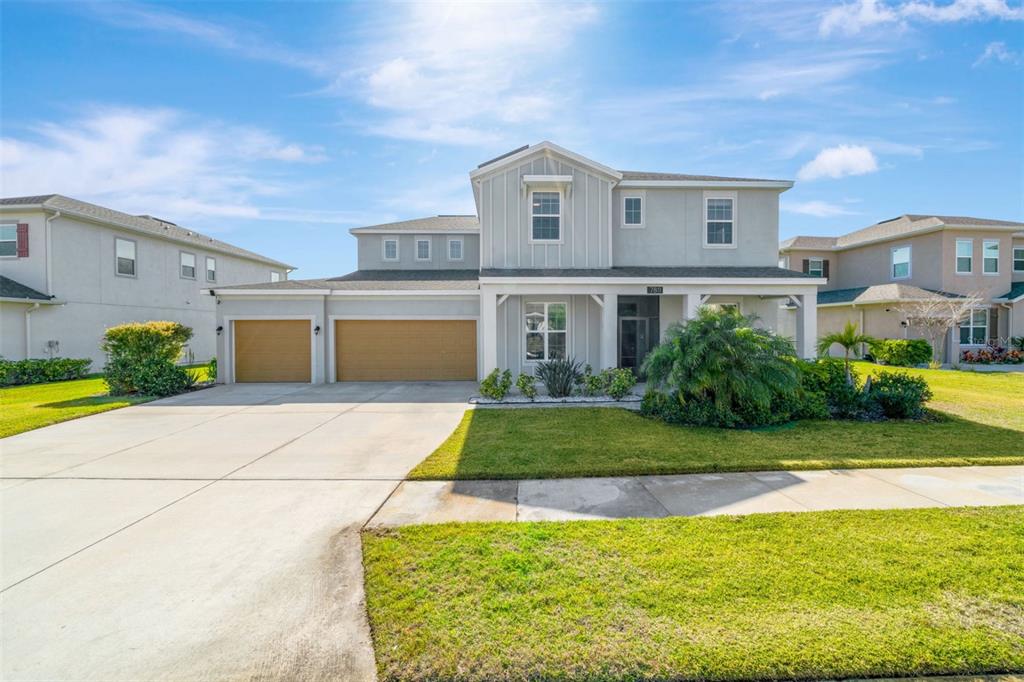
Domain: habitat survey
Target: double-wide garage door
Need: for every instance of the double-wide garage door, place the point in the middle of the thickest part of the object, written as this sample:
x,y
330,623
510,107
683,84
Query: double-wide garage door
x,y
405,350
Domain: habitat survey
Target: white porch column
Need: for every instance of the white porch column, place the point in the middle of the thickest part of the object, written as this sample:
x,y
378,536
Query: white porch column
x,y
488,329
690,305
807,326
610,332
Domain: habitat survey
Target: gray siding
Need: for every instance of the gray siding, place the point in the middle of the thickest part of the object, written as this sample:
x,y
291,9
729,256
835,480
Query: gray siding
x,y
371,252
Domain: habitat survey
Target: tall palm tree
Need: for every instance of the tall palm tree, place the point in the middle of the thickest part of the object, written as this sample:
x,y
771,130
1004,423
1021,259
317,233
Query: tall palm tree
x,y
849,339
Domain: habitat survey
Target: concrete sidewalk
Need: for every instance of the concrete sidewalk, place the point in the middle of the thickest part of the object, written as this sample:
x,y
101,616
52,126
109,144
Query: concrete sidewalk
x,y
699,494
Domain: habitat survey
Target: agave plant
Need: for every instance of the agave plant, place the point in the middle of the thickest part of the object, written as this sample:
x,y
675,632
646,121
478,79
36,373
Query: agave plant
x,y
559,376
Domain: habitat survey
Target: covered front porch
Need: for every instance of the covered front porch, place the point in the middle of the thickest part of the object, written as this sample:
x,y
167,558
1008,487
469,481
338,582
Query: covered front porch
x,y
610,321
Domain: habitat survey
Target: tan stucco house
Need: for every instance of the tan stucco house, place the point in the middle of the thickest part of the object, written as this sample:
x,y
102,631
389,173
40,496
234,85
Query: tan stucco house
x,y
564,257
70,269
873,273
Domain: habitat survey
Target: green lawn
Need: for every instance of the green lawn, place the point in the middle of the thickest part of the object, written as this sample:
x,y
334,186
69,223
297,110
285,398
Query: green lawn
x,y
29,407
981,422
774,596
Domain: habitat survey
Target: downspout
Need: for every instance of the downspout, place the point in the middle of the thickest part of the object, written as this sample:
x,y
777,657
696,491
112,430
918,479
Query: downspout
x,y
28,329
48,241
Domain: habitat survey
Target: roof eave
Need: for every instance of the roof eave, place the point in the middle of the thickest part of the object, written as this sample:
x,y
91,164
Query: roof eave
x,y
713,184
546,147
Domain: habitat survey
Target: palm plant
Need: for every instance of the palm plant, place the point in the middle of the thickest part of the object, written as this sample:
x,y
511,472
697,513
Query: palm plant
x,y
849,339
721,357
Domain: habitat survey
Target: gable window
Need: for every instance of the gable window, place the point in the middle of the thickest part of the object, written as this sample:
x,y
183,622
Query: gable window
x,y
422,249
9,239
900,262
546,216
816,267
545,325
964,256
390,250
719,223
124,256
1018,259
990,257
632,211
188,265
974,330
454,249
275,276
211,269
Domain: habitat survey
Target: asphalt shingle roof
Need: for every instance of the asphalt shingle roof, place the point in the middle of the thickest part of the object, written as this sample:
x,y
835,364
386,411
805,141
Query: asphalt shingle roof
x,y
1016,291
880,293
647,175
437,223
158,228
379,280
710,272
904,225
11,289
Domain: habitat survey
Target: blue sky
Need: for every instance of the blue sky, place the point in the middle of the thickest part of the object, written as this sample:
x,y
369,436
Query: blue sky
x,y
279,126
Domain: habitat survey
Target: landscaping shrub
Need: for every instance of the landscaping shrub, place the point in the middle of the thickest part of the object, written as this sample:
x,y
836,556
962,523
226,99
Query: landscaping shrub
x,y
619,382
42,370
900,395
902,352
211,369
839,388
993,354
141,357
527,386
591,384
496,385
560,376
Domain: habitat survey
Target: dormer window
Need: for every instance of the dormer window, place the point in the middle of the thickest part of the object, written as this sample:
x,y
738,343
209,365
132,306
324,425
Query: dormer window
x,y
390,249
546,216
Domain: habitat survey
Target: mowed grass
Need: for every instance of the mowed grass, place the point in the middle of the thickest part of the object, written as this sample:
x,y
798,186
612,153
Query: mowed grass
x,y
979,420
23,408
774,596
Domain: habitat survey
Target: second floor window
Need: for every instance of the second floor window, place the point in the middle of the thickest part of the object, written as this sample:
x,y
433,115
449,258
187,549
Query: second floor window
x,y
211,269
124,255
632,211
719,224
422,249
454,249
275,276
964,256
546,216
390,249
1018,259
188,265
990,257
816,267
900,262
9,239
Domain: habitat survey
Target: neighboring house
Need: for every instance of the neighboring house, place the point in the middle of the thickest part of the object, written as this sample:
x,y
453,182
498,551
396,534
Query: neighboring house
x,y
70,269
874,274
569,258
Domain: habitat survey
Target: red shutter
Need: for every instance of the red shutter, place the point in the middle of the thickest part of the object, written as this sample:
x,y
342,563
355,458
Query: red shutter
x,y
22,240
807,265
824,268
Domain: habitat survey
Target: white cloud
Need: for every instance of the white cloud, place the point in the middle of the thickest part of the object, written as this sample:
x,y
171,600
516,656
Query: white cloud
x,y
156,161
854,17
838,162
997,51
818,209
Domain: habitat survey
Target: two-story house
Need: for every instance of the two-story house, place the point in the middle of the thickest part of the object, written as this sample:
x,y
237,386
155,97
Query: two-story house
x,y
70,269
875,275
565,257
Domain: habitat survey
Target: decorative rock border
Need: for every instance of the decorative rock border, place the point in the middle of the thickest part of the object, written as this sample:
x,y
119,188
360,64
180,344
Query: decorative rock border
x,y
629,402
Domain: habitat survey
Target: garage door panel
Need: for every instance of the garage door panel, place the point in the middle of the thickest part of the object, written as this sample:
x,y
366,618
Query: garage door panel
x,y
405,350
272,350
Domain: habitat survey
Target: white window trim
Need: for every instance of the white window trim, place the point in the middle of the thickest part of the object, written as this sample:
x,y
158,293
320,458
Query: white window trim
x,y
273,274
984,243
568,316
910,261
642,196
416,248
561,215
181,265
1015,259
384,249
970,325
15,242
135,259
462,249
956,257
210,259
821,266
735,219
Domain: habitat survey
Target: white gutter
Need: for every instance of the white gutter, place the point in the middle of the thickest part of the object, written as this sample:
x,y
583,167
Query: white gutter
x,y
654,278
715,184
49,250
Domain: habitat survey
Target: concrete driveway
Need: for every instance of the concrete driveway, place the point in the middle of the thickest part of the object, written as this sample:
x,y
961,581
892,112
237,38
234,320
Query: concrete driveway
x,y
209,536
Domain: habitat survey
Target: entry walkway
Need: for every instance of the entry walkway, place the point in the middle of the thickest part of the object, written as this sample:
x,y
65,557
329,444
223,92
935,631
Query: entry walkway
x,y
699,494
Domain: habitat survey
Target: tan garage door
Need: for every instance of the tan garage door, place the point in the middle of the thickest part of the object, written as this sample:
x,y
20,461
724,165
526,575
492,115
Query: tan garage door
x,y
405,350
272,350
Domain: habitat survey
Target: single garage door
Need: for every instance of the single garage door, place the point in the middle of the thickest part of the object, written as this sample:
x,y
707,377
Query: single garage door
x,y
405,350
272,350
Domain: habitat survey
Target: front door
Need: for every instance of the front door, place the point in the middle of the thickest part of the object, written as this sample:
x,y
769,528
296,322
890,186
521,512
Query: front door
x,y
634,342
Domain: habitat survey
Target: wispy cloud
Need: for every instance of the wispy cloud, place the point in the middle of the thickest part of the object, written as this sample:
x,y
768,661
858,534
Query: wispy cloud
x,y
816,208
998,52
852,18
157,161
839,162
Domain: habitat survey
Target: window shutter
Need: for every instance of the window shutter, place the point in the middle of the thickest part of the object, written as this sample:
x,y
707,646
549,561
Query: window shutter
x,y
824,268
807,265
22,240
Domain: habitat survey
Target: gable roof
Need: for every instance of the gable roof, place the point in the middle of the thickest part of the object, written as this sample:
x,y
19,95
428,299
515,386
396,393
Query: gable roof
x,y
138,223
880,293
438,223
903,226
16,290
516,155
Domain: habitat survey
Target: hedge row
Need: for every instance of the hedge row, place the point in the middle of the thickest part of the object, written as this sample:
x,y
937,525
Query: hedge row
x,y
40,371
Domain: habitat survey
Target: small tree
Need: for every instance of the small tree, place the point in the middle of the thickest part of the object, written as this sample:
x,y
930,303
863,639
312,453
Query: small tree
x,y
938,315
849,339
